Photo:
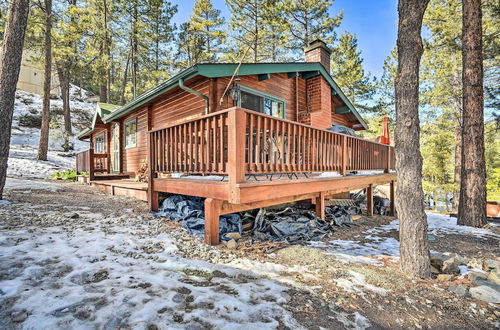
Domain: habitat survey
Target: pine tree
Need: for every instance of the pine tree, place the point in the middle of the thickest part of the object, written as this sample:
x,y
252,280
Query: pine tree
x,y
414,249
160,33
249,30
472,206
309,20
10,63
208,25
190,47
348,72
44,132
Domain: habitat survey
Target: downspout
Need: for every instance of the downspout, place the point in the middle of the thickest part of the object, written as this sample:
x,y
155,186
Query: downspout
x,y
195,92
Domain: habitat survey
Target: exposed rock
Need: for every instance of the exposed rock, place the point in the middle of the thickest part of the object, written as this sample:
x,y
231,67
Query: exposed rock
x,y
19,316
72,215
475,276
494,276
89,277
232,245
436,264
444,277
485,293
235,236
459,290
434,270
491,264
450,266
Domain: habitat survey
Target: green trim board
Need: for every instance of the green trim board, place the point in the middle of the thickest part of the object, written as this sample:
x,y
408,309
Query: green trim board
x,y
212,70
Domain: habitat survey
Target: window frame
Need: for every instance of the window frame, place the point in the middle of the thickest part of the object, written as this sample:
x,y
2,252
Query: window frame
x,y
125,124
104,144
263,95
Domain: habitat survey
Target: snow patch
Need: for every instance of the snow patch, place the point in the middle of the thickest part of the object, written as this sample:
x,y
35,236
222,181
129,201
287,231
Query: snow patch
x,y
357,284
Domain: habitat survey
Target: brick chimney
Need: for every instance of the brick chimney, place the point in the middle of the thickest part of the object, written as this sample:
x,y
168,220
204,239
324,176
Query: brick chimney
x,y
318,51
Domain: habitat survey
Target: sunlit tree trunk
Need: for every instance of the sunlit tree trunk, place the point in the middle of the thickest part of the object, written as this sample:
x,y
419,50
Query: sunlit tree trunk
x,y
414,249
472,207
10,64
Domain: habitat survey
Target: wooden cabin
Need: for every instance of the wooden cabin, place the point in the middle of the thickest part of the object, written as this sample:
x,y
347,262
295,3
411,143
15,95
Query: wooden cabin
x,y
241,136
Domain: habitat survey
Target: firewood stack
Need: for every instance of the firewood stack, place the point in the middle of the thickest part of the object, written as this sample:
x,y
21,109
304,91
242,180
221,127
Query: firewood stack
x,y
141,174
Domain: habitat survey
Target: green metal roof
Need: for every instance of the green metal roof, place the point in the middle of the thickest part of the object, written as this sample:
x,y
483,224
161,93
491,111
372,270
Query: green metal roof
x,y
212,70
102,110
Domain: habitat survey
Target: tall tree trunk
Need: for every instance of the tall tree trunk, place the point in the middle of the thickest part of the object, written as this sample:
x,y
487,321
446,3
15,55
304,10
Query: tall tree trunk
x,y
10,64
134,51
63,74
472,208
458,158
414,248
44,132
124,81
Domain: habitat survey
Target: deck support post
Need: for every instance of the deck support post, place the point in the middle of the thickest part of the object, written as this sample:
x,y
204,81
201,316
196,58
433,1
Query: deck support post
x,y
213,209
236,153
369,200
320,205
388,167
343,171
91,159
392,209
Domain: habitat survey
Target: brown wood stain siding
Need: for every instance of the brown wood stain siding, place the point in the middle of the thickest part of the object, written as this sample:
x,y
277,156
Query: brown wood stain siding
x,y
133,157
179,104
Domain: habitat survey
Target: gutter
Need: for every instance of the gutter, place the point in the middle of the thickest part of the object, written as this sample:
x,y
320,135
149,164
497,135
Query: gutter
x,y
195,92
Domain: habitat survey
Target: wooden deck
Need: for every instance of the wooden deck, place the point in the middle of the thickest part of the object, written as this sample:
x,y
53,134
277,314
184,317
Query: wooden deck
x,y
125,187
259,160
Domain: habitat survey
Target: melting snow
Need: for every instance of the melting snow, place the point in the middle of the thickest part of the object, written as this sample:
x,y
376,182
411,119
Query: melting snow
x,y
22,160
106,274
375,245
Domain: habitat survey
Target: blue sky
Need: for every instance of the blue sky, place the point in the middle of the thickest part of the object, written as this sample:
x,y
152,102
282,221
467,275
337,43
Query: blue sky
x,y
373,21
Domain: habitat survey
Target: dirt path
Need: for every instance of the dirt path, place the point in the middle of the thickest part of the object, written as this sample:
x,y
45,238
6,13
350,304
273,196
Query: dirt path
x,y
72,257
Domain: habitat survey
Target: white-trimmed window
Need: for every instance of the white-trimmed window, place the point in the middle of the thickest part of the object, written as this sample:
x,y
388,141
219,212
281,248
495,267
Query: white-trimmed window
x,y
100,143
131,133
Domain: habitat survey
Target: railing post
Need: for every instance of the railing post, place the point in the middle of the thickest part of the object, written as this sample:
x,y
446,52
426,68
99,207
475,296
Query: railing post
x,y
91,159
152,194
343,171
236,152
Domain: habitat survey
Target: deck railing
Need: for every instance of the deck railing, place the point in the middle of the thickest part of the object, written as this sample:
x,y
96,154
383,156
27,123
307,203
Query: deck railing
x,y
246,142
82,161
87,161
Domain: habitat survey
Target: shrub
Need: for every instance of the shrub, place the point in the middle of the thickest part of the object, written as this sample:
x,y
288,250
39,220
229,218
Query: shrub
x,y
66,175
30,120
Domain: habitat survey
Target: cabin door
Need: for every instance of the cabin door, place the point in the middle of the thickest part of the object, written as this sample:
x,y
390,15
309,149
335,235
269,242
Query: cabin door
x,y
116,148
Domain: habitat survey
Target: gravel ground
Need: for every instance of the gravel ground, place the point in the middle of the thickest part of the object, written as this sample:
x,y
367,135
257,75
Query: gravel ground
x,y
74,258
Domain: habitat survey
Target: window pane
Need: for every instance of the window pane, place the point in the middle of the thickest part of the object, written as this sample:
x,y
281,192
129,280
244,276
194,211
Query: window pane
x,y
251,101
268,105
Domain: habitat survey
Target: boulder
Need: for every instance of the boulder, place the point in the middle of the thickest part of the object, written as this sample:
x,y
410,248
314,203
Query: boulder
x,y
486,294
235,236
450,266
494,276
489,264
475,276
444,277
232,245
459,290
